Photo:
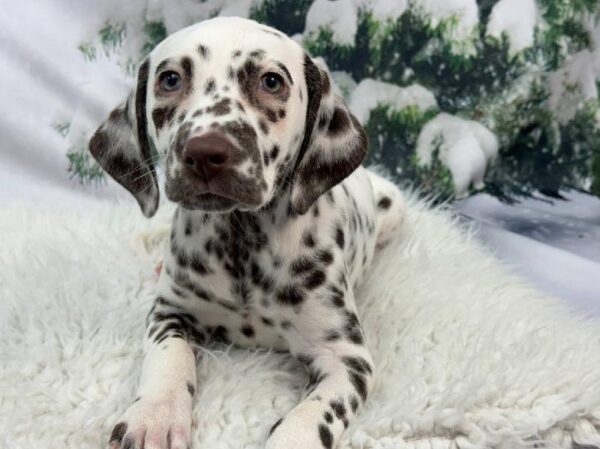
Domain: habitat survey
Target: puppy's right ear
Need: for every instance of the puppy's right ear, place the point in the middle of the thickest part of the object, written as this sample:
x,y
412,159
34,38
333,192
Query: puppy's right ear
x,y
122,148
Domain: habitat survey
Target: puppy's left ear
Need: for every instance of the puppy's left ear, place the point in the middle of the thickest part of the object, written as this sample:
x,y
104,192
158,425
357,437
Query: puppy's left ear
x,y
334,142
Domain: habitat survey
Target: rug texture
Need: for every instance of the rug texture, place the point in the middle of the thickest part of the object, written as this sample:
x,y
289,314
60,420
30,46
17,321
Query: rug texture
x,y
468,356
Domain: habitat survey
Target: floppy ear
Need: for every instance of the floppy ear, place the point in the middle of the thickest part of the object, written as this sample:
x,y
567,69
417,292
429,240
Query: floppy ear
x,y
121,146
334,142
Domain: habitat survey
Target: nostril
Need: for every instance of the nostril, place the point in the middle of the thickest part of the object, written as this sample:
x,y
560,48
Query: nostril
x,y
217,159
189,161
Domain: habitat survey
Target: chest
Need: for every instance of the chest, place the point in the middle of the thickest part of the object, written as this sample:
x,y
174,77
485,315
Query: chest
x,y
247,274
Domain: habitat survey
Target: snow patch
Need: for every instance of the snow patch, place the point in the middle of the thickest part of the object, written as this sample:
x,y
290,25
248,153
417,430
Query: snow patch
x,y
340,17
384,9
516,19
371,93
466,148
465,12
343,84
573,83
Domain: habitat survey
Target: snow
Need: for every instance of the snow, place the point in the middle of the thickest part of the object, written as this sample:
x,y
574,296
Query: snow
x,y
466,148
384,9
340,17
567,225
343,83
371,93
579,71
464,12
516,19
555,246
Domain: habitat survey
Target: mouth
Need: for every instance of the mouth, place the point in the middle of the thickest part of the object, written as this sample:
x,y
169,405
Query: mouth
x,y
210,202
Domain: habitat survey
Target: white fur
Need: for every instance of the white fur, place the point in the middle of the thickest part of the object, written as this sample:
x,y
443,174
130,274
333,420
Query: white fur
x,y
467,355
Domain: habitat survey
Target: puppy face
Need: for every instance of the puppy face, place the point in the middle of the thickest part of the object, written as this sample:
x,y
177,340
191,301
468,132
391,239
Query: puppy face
x,y
239,114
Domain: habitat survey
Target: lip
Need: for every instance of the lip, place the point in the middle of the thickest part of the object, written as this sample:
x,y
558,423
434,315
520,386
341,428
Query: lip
x,y
208,201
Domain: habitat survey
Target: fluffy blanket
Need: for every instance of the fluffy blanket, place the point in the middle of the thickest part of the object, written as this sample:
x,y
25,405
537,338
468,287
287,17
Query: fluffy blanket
x,y
468,355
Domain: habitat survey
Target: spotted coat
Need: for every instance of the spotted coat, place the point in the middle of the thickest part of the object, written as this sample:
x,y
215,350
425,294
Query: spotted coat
x,y
272,233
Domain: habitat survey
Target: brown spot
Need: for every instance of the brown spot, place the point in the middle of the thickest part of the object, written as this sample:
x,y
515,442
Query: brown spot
x,y
204,51
162,115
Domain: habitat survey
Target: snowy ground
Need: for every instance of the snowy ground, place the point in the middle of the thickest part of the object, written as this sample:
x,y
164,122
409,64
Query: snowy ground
x,y
556,246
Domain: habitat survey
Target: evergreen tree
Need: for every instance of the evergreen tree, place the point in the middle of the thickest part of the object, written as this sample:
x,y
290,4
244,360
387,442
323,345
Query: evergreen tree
x,y
480,77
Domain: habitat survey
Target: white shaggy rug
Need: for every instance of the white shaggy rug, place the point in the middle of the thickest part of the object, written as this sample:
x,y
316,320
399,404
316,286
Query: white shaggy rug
x,y
468,356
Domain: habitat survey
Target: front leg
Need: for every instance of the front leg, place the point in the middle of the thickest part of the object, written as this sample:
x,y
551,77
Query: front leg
x,y
341,376
160,417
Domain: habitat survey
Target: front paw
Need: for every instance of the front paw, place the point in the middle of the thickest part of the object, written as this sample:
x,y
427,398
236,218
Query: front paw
x,y
159,423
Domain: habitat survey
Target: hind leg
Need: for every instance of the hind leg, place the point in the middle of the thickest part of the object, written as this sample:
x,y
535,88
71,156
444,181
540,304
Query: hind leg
x,y
390,208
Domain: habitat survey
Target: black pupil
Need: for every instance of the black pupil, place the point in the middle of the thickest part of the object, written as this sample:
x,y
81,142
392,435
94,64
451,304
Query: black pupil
x,y
171,80
272,82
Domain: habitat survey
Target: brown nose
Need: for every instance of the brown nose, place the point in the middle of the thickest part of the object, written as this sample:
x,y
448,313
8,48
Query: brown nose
x,y
207,155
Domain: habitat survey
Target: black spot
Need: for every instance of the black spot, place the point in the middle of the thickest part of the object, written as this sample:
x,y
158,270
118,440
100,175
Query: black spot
x,y
281,113
263,126
301,265
359,383
259,54
324,256
332,335
209,87
308,239
326,436
248,331
190,388
339,237
315,279
236,53
221,107
274,152
352,328
271,115
275,426
338,408
188,226
339,122
286,324
353,403
357,364
267,321
384,203
328,417
204,51
188,68
199,265
118,433
220,334
337,296
330,198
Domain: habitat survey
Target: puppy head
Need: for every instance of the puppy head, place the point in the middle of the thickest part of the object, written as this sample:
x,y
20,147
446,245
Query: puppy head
x,y
239,114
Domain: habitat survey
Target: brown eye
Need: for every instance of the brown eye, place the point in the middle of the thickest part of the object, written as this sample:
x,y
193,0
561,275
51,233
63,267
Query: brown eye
x,y
271,82
170,81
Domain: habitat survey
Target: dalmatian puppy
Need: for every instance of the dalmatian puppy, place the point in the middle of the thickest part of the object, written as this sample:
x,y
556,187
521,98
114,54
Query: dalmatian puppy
x,y
275,226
